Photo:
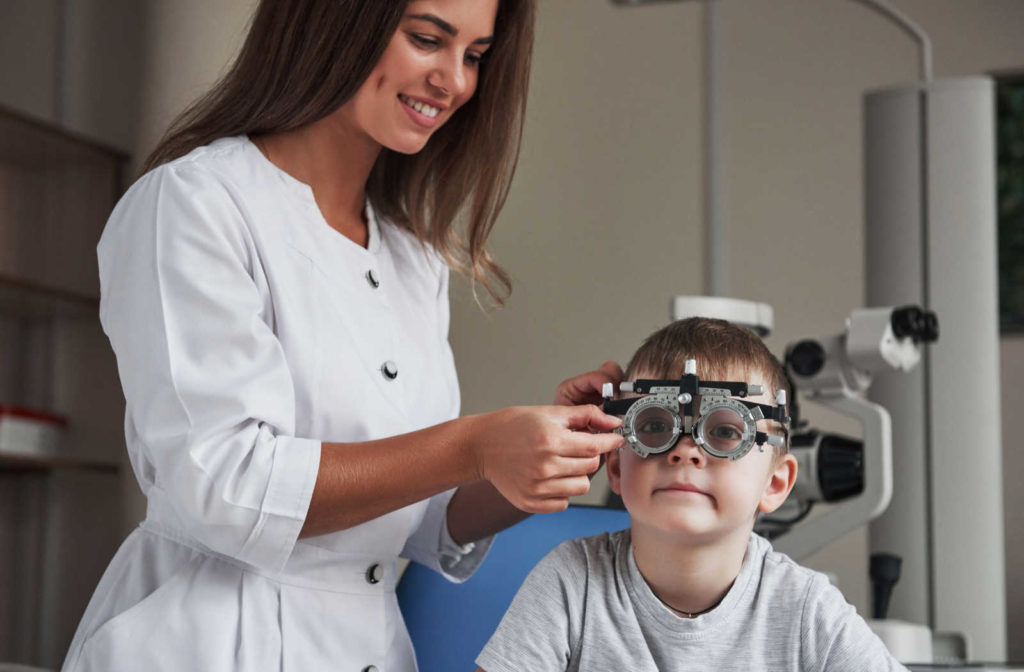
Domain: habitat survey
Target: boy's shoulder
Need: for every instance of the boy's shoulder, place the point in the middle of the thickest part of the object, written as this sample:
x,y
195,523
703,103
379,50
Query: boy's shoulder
x,y
788,584
606,542
594,551
584,563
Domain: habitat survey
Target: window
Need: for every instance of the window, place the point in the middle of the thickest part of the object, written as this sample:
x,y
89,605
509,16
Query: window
x,y
1010,200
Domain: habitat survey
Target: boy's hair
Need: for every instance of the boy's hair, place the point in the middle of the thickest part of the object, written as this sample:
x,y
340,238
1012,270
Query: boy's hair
x,y
718,346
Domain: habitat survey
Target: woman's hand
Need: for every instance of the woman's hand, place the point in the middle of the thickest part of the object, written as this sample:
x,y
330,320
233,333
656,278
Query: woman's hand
x,y
586,388
539,456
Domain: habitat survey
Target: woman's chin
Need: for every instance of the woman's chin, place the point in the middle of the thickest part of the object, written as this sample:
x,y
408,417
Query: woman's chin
x,y
409,145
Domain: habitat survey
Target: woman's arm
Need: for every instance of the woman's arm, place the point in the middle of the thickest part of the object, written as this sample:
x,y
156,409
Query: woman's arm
x,y
478,510
534,457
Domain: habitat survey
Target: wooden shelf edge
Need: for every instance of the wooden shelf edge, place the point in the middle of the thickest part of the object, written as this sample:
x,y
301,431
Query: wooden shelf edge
x,y
19,462
28,298
50,128
79,298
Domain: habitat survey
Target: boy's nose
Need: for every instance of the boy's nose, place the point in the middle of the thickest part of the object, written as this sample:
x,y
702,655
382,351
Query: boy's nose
x,y
686,449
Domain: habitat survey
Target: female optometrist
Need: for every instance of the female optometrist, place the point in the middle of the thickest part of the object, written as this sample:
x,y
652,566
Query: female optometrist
x,y
275,288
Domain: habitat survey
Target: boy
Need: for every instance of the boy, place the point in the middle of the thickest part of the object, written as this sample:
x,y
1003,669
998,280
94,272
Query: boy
x,y
689,586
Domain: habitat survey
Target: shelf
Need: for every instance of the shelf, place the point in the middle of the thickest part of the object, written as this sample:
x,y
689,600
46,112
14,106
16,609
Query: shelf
x,y
38,145
23,298
14,462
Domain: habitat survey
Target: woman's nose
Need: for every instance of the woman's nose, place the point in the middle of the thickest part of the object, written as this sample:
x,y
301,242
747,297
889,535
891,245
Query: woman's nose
x,y
449,78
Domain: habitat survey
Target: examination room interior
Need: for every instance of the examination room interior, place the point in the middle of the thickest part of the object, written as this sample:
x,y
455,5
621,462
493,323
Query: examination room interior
x,y
606,222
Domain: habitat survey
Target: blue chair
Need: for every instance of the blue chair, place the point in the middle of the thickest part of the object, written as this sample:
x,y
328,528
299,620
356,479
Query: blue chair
x,y
449,623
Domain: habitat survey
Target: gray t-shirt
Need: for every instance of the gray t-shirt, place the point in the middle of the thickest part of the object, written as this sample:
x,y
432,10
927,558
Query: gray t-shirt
x,y
585,606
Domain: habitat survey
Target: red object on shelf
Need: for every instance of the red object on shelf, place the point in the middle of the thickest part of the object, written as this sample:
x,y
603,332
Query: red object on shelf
x,y
29,431
32,414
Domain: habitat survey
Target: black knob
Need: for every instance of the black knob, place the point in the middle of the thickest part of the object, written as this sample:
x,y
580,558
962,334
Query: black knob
x,y
806,358
840,467
884,573
907,321
911,321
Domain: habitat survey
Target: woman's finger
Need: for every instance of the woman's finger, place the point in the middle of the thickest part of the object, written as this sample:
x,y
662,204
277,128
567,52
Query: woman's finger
x,y
545,505
613,371
569,486
589,417
586,388
580,445
563,467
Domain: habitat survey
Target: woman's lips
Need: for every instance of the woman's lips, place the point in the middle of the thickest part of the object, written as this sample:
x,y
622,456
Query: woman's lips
x,y
428,118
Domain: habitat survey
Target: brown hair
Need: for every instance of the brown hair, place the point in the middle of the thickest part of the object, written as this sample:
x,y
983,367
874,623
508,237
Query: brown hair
x,y
718,346
302,59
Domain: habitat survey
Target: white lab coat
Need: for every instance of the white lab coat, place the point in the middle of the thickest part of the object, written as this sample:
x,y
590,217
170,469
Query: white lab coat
x,y
247,331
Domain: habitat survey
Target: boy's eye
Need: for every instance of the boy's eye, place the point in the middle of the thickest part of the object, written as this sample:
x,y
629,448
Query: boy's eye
x,y
654,427
726,432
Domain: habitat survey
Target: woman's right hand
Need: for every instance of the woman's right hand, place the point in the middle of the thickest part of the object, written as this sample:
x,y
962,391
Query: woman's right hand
x,y
539,456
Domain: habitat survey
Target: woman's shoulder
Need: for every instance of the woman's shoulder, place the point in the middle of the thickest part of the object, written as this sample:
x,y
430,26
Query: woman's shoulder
x,y
227,161
219,177
202,190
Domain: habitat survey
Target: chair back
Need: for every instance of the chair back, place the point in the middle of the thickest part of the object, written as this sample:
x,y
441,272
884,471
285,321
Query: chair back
x,y
450,623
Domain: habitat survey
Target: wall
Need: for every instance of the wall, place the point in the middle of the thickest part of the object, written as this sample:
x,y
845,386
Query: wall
x,y
603,225
600,246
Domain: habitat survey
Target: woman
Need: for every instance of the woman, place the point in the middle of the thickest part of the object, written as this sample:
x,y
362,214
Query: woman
x,y
275,290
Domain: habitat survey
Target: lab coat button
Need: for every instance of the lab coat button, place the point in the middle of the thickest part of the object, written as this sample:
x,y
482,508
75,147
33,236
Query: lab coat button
x,y
373,575
389,369
370,668
371,278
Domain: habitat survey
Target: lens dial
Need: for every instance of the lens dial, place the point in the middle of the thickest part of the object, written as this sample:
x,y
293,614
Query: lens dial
x,y
652,425
726,427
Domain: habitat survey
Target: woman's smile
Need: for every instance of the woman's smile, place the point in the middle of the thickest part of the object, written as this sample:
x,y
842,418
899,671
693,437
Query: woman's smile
x,y
421,113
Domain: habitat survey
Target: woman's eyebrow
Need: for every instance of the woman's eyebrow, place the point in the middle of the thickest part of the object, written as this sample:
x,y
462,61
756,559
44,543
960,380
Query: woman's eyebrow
x,y
447,27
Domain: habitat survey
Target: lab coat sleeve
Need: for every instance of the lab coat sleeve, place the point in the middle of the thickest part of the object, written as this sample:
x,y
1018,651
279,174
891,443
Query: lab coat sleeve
x,y
209,394
431,544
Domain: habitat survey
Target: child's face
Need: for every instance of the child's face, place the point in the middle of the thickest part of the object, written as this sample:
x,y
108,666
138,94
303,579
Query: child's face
x,y
685,490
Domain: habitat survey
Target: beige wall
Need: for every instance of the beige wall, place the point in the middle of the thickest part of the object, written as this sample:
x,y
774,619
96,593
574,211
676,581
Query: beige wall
x,y
603,225
28,52
77,63
191,43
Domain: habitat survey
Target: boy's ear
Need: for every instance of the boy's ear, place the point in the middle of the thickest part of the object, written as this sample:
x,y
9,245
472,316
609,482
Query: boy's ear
x,y
780,482
613,467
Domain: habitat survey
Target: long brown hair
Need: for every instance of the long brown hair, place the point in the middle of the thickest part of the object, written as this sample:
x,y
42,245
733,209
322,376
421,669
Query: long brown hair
x,y
302,59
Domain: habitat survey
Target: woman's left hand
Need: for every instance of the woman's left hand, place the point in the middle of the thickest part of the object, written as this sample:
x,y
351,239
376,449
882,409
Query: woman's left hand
x,y
586,387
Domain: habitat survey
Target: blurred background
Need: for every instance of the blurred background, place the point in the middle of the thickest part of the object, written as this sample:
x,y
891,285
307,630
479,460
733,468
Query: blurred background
x,y
603,226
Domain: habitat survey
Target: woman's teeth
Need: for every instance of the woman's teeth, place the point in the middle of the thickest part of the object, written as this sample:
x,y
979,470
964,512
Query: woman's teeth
x,y
426,110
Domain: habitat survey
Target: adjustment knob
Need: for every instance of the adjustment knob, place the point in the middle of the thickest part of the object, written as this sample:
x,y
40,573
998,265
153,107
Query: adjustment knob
x,y
806,358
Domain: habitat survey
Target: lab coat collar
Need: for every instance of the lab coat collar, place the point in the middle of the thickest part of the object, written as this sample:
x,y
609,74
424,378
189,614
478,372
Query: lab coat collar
x,y
301,194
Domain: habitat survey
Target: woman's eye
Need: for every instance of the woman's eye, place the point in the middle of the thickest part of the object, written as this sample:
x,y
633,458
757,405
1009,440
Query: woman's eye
x,y
474,59
653,427
423,41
